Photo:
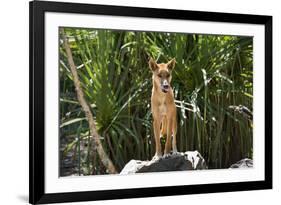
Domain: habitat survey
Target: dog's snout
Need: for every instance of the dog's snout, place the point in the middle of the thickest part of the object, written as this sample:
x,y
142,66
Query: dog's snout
x,y
165,86
165,83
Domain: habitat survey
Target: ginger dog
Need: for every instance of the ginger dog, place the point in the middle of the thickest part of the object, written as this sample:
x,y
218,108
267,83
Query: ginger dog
x,y
163,107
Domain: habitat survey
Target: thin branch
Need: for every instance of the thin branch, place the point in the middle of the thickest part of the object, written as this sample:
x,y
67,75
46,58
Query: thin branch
x,y
80,95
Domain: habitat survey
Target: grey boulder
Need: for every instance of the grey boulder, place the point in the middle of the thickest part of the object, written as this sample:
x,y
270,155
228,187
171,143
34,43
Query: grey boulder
x,y
190,160
243,163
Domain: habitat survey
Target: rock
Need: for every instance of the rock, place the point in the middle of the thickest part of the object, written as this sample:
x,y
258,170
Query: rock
x,y
243,163
133,166
196,159
190,160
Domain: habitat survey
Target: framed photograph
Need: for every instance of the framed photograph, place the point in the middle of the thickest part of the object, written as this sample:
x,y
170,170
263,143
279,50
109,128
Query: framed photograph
x,y
130,102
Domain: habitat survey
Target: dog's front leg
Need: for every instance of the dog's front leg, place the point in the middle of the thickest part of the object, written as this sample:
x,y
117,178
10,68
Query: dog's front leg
x,y
168,138
156,128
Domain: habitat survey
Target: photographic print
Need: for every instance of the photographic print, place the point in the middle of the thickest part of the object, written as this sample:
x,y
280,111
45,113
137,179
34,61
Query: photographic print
x,y
137,101
129,102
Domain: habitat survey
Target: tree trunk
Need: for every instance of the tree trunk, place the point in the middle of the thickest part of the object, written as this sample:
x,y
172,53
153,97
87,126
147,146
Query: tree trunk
x,y
80,95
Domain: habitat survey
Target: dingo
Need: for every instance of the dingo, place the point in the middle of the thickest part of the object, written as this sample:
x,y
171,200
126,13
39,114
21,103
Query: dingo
x,y
163,107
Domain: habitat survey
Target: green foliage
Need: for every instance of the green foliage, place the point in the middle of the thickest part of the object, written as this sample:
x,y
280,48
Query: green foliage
x,y
212,84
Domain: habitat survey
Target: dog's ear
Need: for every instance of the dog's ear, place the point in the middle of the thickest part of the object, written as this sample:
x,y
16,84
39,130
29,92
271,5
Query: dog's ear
x,y
171,64
152,64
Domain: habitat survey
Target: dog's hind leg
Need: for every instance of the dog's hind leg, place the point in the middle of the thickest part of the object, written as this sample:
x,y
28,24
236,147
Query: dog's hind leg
x,y
175,151
163,127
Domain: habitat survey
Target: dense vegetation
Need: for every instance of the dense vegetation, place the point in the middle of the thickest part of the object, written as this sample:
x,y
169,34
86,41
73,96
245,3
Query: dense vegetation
x,y
212,83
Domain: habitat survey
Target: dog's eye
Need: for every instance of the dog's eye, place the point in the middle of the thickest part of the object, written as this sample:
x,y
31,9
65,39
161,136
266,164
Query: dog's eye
x,y
159,75
168,75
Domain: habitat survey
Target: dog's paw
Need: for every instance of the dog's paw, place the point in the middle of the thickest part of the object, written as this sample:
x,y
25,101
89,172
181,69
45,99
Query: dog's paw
x,y
156,157
165,156
175,153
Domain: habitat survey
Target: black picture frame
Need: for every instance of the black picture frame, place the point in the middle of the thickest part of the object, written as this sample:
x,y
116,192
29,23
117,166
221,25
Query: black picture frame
x,y
37,10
